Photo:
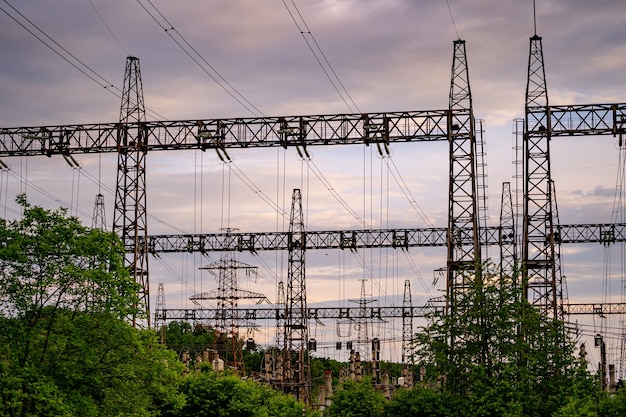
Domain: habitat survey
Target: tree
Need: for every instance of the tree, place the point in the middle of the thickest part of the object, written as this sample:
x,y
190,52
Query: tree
x,y
217,395
422,401
49,260
65,349
499,352
356,399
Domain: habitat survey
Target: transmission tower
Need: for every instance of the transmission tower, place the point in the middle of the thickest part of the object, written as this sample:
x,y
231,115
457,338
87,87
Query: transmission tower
x,y
159,320
539,270
227,295
464,251
130,218
507,235
99,220
407,325
362,325
297,363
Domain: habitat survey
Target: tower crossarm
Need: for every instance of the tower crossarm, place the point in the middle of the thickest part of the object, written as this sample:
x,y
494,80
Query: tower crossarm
x,y
336,129
585,119
313,313
604,233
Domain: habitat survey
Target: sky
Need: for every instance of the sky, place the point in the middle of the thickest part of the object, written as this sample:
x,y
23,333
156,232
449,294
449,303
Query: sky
x,y
387,55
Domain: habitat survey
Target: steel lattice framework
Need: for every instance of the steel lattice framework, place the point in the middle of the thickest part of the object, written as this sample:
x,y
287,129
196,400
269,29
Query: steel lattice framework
x,y
356,313
297,378
132,137
356,239
130,219
507,238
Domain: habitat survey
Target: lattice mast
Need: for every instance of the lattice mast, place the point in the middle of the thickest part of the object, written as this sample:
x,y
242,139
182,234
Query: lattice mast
x,y
227,296
99,221
407,325
464,251
130,218
362,323
297,363
539,242
507,236
159,316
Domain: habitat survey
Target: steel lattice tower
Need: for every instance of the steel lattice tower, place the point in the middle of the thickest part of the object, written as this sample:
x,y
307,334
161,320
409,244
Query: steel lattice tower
x,y
159,320
407,325
297,363
99,220
130,218
539,269
507,236
464,252
228,295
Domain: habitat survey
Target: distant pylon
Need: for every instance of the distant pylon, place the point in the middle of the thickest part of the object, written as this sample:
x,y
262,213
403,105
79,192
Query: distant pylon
x,y
227,295
507,237
362,325
130,217
407,325
159,315
99,220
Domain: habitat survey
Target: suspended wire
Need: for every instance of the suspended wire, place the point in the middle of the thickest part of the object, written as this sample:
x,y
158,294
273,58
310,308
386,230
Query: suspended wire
x,y
85,70
45,193
196,57
395,173
306,31
250,184
108,28
335,194
176,275
452,18
64,54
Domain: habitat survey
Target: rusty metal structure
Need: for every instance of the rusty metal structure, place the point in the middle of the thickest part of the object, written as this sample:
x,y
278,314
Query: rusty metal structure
x,y
132,137
297,367
130,220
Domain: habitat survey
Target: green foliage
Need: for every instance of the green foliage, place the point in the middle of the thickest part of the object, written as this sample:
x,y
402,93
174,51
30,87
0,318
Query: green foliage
x,y
424,402
50,260
181,335
90,365
65,349
356,399
214,395
498,353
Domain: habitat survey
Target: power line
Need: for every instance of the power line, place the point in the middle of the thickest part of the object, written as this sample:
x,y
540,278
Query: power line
x,y
213,73
108,28
452,18
64,54
319,61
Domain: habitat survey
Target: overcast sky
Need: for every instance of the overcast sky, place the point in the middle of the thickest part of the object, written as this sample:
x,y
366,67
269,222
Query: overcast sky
x,y
390,55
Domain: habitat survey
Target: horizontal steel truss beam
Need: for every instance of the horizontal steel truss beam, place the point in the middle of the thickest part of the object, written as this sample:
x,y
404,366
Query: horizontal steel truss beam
x,y
355,239
313,313
355,313
338,129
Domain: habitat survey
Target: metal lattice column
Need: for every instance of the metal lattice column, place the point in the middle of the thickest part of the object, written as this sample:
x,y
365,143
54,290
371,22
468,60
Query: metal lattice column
x,y
407,325
99,221
130,218
228,295
159,319
463,232
538,252
297,363
507,235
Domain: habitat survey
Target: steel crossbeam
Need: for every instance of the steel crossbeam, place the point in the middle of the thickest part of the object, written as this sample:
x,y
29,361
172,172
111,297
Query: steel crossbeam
x,y
355,239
